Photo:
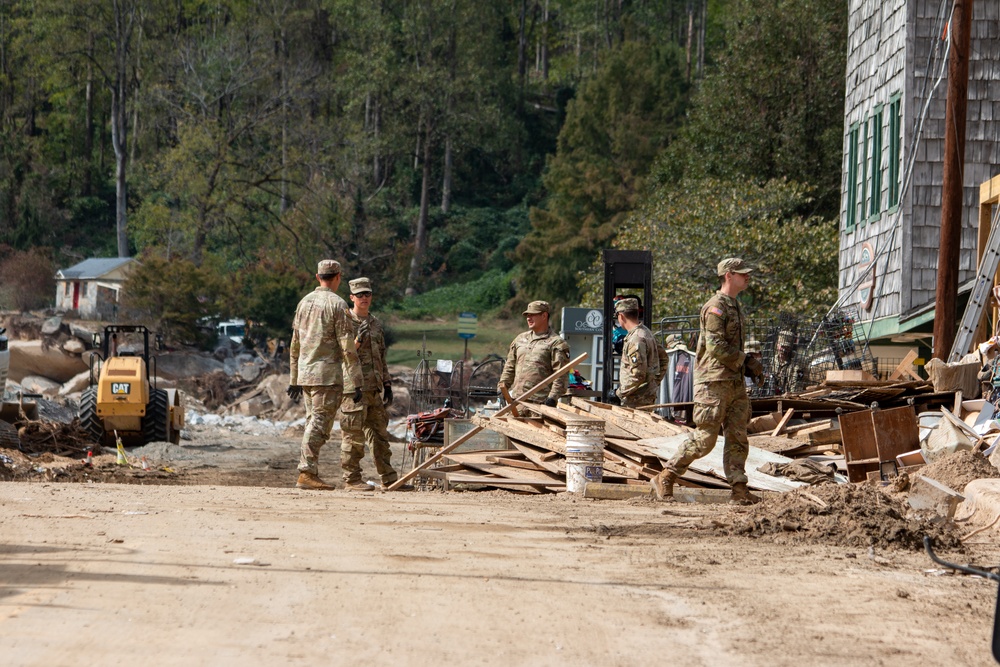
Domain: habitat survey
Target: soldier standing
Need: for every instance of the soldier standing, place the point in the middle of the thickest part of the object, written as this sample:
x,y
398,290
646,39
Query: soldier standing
x,y
321,352
787,372
644,363
720,397
533,356
366,421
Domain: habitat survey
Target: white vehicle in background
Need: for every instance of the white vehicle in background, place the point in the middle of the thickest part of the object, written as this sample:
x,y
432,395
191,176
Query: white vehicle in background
x,y
234,330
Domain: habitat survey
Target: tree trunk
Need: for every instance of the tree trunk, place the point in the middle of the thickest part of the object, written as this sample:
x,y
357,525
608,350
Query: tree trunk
x,y
689,43
420,242
545,44
446,181
522,39
88,133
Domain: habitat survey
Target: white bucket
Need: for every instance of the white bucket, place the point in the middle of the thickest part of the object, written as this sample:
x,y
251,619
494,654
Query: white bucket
x,y
584,454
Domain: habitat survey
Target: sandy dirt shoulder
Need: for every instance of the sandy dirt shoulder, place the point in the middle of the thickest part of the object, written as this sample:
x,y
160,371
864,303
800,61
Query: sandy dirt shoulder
x,y
129,574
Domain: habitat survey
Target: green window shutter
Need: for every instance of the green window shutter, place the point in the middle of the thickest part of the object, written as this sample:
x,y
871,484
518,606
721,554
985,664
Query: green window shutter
x,y
850,217
863,181
895,141
875,199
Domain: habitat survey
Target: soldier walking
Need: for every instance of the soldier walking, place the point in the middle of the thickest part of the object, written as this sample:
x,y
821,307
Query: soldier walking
x,y
321,352
366,420
720,397
533,356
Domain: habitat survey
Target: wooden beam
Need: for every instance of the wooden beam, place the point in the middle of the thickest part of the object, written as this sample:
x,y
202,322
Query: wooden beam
x,y
779,429
510,401
444,450
904,366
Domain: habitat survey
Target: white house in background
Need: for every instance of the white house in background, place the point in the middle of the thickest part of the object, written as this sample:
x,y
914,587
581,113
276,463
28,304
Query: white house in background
x,y
91,288
897,82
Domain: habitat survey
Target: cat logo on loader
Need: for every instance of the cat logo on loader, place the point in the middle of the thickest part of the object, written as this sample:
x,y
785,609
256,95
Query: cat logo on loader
x,y
121,397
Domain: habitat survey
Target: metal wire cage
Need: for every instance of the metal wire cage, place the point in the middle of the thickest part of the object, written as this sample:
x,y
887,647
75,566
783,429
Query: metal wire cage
x,y
796,352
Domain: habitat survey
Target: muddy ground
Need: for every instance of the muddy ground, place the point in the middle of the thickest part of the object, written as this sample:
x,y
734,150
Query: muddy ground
x,y
212,557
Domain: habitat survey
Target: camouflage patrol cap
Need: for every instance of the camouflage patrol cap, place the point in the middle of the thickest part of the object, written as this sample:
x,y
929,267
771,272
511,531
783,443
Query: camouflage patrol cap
x,y
359,285
786,338
328,267
733,265
536,307
625,305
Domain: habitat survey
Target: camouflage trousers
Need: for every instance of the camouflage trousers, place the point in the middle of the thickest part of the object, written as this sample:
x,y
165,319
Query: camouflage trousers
x,y
362,423
321,408
718,406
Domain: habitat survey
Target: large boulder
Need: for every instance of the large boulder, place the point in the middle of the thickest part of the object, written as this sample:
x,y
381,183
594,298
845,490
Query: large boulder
x,y
36,384
30,357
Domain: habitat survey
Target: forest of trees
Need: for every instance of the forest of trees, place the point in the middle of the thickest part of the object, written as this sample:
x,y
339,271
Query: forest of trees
x,y
230,144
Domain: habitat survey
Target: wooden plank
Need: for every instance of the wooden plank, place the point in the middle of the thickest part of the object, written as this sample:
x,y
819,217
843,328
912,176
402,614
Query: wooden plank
x,y
509,400
444,450
558,415
904,365
515,463
536,436
610,429
541,458
478,462
783,423
808,427
459,478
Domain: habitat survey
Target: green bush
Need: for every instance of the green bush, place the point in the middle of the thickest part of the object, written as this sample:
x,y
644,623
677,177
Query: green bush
x,y
481,296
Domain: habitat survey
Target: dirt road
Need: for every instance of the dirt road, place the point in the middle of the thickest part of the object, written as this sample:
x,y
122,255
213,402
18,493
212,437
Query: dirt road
x,y
127,574
208,573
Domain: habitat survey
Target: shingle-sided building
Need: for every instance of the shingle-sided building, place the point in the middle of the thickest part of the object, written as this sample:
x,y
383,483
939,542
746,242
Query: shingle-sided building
x,y
91,288
897,80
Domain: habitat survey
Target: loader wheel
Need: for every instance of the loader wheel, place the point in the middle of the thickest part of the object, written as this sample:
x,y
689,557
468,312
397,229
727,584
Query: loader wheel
x,y
156,423
89,420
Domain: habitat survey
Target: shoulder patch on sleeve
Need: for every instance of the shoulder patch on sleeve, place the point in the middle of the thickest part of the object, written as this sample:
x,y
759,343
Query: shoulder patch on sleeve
x,y
715,311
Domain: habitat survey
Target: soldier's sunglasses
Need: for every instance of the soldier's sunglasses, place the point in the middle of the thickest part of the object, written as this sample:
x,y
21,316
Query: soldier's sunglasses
x,y
363,295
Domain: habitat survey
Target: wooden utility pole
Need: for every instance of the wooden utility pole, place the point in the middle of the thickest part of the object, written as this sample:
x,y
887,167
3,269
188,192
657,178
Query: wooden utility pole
x,y
945,311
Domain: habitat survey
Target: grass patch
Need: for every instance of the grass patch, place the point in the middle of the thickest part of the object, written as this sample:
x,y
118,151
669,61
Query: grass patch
x,y
494,336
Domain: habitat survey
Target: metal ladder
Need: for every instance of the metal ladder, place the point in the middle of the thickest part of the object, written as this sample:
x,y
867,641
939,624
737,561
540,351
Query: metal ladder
x,y
981,293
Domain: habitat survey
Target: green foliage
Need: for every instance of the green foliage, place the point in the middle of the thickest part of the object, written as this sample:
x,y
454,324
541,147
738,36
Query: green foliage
x,y
26,279
620,120
485,295
774,106
175,297
270,292
693,225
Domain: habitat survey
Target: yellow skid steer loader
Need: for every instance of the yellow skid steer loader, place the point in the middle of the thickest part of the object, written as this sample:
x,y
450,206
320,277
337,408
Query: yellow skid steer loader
x,y
121,397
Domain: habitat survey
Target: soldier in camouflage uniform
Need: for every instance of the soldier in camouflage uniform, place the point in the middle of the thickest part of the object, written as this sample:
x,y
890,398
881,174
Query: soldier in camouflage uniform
x,y
787,372
321,352
644,362
365,421
533,356
720,397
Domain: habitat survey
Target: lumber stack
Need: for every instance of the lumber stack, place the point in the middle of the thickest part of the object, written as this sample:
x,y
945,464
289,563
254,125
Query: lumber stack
x,y
536,461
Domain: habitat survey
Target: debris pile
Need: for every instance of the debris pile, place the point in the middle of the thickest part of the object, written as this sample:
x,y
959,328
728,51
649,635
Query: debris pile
x,y
533,455
852,515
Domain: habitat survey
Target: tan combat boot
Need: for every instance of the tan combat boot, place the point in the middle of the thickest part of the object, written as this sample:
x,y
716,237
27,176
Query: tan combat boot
x,y
309,480
742,496
358,486
663,485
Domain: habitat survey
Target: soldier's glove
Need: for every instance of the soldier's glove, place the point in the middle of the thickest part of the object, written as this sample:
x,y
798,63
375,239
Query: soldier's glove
x,y
357,395
753,368
294,392
362,331
550,402
759,380
387,394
